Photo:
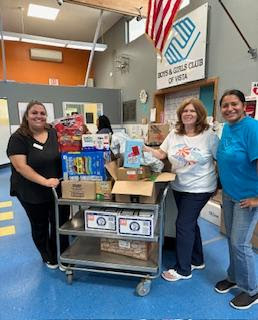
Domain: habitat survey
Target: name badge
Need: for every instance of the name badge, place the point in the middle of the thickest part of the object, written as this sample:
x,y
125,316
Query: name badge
x,y
37,146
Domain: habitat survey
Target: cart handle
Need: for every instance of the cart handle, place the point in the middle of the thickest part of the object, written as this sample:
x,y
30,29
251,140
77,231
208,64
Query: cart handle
x,y
54,193
164,194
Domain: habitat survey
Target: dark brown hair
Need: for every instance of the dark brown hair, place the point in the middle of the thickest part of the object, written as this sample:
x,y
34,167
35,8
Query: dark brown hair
x,y
24,127
201,122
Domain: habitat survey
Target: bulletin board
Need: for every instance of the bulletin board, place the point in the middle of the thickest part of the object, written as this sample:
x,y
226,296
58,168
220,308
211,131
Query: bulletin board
x,y
208,91
4,130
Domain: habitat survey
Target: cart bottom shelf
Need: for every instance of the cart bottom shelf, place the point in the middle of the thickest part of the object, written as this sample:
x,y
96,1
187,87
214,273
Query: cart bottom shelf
x,y
85,251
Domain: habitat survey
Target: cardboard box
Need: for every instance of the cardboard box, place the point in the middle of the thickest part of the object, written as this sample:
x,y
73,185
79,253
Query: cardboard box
x,y
137,191
88,165
218,196
212,212
101,219
140,223
131,248
103,190
254,237
95,142
85,190
157,133
133,174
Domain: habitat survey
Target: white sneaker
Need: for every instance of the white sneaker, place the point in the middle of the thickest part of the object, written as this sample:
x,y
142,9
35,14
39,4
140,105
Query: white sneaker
x,y
172,275
200,267
61,268
51,266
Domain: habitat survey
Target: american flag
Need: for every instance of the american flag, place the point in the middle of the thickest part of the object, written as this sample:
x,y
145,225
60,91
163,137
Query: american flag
x,y
161,14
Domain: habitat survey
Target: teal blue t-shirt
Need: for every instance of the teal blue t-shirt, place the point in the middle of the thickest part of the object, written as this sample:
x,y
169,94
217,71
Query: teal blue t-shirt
x,y
237,156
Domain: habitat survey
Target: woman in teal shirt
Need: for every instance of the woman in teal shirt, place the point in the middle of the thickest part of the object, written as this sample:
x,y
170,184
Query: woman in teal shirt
x,y
237,159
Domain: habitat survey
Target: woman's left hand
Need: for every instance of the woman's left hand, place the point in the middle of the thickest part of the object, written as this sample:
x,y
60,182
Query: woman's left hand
x,y
249,203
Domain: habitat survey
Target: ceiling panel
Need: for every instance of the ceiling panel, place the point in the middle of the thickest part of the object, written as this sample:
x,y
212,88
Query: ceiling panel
x,y
74,22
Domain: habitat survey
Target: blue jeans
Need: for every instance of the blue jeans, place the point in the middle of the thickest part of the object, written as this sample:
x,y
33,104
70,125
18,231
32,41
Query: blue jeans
x,y
188,237
240,225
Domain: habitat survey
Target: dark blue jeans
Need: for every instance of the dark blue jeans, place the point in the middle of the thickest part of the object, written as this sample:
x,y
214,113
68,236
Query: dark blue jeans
x,y
188,238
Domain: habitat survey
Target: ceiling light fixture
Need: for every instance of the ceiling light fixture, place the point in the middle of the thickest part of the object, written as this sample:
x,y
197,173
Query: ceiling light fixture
x,y
10,38
53,42
42,12
46,43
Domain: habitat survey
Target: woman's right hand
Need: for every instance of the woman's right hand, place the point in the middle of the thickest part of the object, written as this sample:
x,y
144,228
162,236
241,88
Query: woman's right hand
x,y
52,182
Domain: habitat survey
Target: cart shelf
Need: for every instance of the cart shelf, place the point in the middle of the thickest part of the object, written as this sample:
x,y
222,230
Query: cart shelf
x,y
93,203
76,227
86,251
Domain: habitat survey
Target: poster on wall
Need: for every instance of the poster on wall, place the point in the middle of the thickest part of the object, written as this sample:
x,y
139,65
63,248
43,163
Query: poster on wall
x,y
254,89
90,111
4,130
185,50
49,107
252,106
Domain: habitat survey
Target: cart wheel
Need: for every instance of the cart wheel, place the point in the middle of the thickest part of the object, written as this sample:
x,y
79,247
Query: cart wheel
x,y
69,276
143,288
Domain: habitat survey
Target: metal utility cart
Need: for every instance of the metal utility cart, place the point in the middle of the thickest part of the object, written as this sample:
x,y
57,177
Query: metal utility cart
x,y
84,252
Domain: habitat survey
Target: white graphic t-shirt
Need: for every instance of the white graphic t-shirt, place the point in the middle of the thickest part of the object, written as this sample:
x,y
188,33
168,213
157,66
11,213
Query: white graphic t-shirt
x,y
192,159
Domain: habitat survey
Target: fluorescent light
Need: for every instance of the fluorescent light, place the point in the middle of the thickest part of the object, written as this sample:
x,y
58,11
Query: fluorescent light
x,y
46,43
86,46
53,42
10,38
42,12
76,46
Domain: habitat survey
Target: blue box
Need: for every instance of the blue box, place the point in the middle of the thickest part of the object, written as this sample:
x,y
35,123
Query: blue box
x,y
84,165
133,153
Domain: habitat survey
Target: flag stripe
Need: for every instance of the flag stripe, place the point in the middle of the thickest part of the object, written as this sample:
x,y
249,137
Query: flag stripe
x,y
161,14
170,22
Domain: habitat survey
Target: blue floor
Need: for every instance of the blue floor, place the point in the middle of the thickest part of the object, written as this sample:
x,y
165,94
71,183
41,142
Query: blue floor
x,y
28,290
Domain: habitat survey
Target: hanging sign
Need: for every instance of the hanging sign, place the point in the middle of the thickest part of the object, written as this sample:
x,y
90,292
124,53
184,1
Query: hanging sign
x,y
184,51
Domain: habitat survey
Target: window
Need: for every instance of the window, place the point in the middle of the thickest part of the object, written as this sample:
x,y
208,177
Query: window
x,y
134,29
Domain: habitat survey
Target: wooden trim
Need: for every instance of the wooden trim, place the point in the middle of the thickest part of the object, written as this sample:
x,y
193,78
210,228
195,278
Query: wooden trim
x,y
125,7
159,95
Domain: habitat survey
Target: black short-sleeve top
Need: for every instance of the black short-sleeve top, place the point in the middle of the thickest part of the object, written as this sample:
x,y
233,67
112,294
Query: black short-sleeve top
x,y
44,158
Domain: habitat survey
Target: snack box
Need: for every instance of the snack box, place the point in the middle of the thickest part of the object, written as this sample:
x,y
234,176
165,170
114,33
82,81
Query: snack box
x,y
95,142
87,165
133,153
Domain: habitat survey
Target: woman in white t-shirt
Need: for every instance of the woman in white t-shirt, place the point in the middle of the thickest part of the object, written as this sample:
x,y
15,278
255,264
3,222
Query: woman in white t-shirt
x,y
191,150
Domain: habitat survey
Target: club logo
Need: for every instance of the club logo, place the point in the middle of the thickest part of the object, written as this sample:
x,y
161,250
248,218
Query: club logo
x,y
182,43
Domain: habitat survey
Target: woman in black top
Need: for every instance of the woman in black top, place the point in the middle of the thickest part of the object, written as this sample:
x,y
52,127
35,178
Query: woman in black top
x,y
103,125
36,168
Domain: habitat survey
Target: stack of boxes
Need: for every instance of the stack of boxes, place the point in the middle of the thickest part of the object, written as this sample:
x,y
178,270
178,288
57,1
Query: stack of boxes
x,y
85,178
83,160
123,222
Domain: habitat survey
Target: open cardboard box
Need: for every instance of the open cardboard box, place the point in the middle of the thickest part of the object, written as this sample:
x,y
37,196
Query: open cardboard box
x,y
142,191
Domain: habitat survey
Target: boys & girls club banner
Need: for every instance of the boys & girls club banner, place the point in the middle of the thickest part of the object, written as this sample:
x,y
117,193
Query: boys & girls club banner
x,y
185,49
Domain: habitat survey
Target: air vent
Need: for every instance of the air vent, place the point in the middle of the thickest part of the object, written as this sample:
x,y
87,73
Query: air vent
x,y
46,55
